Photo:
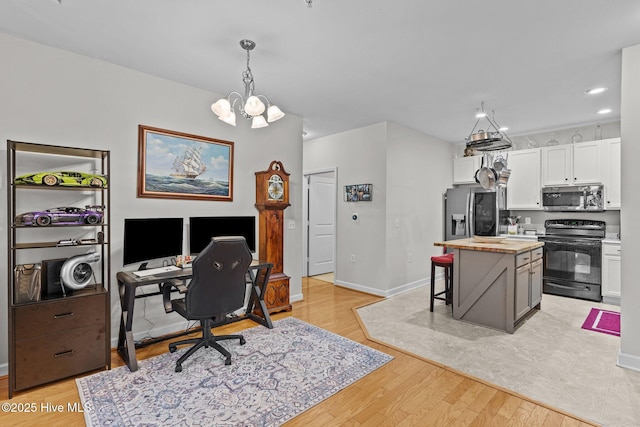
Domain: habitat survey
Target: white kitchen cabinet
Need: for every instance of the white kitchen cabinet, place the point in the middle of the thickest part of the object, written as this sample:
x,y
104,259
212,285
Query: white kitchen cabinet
x,y
611,172
557,164
572,164
523,188
587,162
528,282
611,280
464,169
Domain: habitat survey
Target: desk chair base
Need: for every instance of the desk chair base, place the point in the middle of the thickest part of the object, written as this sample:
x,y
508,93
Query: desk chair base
x,y
207,340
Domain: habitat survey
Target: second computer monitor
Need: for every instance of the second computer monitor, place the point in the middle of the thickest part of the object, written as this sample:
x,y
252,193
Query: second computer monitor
x,y
203,228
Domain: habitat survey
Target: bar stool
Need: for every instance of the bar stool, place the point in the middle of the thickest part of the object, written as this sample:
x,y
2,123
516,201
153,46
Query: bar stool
x,y
445,261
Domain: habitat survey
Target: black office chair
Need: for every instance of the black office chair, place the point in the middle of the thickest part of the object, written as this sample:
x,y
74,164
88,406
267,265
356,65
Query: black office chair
x,y
217,289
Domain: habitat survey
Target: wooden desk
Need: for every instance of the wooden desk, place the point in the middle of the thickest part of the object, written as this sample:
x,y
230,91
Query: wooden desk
x,y
258,273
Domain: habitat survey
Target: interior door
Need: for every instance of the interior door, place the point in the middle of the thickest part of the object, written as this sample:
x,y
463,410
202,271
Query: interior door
x,y
322,228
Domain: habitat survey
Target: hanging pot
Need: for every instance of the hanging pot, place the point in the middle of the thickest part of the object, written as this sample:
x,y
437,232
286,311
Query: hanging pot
x,y
499,163
486,176
480,136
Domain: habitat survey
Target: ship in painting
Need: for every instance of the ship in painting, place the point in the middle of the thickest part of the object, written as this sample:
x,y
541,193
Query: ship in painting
x,y
189,164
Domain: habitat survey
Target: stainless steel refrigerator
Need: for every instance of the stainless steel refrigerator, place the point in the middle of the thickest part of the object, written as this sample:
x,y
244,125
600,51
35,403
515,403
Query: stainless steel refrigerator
x,y
470,211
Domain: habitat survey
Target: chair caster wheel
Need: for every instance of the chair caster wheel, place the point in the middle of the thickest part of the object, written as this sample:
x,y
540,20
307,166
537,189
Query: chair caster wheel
x,y
172,349
242,341
227,362
178,368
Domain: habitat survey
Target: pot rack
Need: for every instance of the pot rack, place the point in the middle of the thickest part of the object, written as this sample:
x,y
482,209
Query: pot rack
x,y
491,139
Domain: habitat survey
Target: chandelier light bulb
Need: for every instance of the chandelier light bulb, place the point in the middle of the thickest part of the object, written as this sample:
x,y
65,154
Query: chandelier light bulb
x,y
274,113
229,119
221,108
258,122
254,106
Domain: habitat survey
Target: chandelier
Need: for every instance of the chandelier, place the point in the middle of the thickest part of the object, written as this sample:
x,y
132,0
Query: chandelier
x,y
250,105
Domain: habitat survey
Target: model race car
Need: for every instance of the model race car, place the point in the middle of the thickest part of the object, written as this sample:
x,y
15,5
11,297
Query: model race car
x,y
64,178
92,215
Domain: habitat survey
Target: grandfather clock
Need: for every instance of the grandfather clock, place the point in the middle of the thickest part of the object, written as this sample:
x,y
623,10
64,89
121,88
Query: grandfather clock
x,y
272,198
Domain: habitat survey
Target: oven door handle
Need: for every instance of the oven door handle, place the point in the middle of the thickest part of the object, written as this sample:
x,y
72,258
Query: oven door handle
x,y
572,243
573,287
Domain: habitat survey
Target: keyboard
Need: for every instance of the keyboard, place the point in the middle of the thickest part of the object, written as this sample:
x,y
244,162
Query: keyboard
x,y
154,271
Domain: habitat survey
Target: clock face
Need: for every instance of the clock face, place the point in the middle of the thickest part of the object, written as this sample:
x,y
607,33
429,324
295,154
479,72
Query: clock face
x,y
275,188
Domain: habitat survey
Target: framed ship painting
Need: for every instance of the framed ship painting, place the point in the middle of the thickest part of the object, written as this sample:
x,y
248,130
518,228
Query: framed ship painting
x,y
176,165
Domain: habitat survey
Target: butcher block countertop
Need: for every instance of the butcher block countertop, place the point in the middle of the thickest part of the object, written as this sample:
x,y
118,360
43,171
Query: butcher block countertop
x,y
507,246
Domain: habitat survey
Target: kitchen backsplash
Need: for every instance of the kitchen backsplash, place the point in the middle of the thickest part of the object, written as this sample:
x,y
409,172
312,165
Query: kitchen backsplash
x,y
611,218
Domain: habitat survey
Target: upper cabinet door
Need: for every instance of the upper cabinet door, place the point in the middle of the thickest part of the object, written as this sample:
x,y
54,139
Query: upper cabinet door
x,y
572,164
587,162
464,169
557,165
611,172
523,188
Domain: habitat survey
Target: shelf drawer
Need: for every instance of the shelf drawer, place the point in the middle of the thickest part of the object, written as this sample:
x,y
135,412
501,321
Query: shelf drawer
x,y
60,315
523,258
536,254
51,357
611,249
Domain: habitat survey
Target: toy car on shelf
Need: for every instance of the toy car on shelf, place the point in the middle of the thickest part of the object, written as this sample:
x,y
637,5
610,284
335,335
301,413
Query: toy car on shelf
x,y
92,215
64,178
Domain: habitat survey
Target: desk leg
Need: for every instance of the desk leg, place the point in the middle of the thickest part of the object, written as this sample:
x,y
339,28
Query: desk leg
x,y
126,345
259,280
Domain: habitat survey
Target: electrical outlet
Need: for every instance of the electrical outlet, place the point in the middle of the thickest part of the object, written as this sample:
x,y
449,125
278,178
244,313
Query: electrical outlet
x,y
353,258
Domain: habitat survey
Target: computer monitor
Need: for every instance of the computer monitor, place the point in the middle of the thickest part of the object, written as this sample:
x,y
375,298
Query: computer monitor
x,y
203,228
146,239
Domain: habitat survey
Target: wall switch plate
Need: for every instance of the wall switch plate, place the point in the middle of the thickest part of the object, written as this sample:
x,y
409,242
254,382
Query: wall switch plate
x,y
353,258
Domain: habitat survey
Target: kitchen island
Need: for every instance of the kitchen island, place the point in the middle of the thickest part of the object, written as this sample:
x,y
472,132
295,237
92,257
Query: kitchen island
x,y
495,284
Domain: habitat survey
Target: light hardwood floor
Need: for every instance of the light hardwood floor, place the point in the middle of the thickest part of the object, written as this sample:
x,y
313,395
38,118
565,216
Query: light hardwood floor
x,y
408,391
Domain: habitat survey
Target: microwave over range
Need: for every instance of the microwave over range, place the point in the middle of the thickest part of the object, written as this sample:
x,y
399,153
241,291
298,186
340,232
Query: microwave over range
x,y
573,198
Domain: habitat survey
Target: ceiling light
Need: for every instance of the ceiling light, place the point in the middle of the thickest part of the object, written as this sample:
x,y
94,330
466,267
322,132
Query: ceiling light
x,y
604,111
503,128
250,105
595,90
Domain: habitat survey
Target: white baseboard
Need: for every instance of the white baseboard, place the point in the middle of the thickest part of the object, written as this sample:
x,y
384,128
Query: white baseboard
x,y
628,361
388,293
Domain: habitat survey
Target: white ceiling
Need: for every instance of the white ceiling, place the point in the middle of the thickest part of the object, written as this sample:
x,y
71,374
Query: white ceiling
x,y
343,64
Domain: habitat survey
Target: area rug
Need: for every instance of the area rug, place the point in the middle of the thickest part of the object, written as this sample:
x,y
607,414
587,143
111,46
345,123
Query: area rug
x,y
607,322
276,375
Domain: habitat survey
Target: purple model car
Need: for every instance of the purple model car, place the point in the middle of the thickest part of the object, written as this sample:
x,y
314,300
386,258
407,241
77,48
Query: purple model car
x,y
64,216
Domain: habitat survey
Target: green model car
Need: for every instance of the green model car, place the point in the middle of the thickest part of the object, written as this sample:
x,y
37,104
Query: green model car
x,y
68,179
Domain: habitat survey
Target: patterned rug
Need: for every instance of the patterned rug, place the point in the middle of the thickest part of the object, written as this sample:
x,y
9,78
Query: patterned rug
x,y
276,375
607,322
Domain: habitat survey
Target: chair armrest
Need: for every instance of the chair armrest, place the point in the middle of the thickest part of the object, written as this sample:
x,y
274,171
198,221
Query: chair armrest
x,y
166,293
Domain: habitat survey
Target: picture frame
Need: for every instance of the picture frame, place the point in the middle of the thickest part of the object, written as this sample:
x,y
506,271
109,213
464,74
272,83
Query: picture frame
x,y
358,193
177,165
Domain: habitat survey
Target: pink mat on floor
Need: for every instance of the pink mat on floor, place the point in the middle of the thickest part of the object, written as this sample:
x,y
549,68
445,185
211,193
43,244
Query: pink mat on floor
x,y
607,322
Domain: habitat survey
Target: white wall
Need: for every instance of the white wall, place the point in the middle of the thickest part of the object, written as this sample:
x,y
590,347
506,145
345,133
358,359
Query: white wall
x,y
51,96
629,355
409,172
360,158
419,170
